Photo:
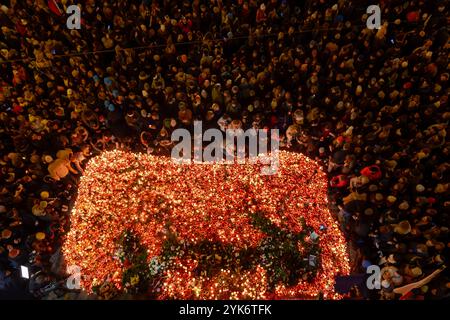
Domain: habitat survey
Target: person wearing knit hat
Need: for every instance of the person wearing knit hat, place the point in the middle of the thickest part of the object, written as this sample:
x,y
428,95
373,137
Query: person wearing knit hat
x,y
421,248
379,197
40,236
438,259
38,210
143,76
441,188
404,205
404,227
415,272
47,158
6,234
44,195
35,159
75,73
13,253
420,188
391,199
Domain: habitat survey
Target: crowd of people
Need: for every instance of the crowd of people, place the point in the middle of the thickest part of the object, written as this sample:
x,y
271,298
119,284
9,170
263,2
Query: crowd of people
x,y
372,105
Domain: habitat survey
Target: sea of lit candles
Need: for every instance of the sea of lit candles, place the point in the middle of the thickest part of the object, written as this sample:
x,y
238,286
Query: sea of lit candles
x,y
147,194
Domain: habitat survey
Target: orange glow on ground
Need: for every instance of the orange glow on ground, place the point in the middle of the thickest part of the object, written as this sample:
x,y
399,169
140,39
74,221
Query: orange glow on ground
x,y
127,191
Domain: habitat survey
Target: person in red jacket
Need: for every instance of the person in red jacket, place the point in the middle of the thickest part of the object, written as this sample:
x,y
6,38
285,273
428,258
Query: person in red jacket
x,y
185,25
339,181
373,172
261,15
